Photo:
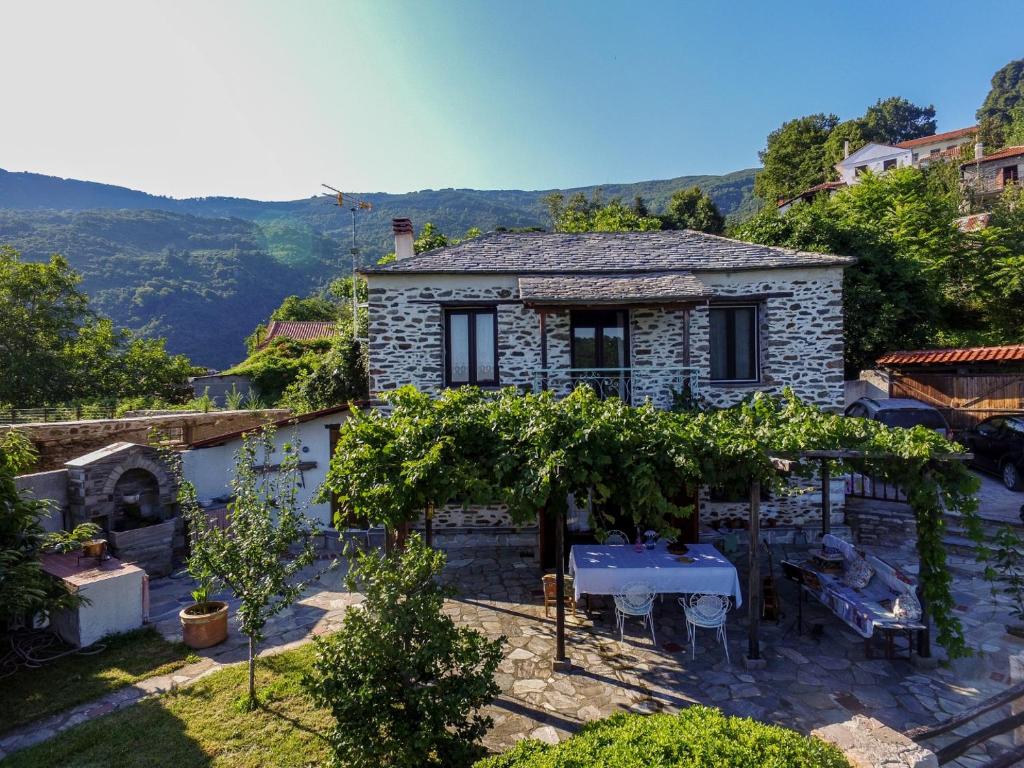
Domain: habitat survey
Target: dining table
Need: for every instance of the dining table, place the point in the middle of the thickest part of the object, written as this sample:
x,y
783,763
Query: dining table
x,y
604,569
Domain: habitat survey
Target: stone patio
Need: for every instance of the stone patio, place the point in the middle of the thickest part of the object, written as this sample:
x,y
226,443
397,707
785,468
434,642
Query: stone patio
x,y
810,680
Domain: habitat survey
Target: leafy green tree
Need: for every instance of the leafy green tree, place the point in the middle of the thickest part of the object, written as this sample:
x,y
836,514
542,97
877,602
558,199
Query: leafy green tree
x,y
274,368
260,557
25,589
692,209
835,145
999,282
54,349
908,279
794,158
309,308
578,214
892,120
403,682
339,376
40,311
640,207
996,113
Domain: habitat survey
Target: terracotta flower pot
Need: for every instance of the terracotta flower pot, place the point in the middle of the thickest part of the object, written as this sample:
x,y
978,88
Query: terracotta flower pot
x,y
203,629
94,548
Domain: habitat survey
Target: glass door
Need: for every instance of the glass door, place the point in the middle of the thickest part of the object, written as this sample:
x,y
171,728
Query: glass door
x,y
600,350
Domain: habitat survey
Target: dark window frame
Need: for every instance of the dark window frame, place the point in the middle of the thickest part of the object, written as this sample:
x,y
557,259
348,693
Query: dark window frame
x,y
471,313
888,165
731,343
576,315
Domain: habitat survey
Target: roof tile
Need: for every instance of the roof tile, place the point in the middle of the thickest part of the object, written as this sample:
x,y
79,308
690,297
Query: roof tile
x,y
1004,354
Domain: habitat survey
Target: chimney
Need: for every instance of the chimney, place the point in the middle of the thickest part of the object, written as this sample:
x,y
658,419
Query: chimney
x,y
403,237
979,150
846,149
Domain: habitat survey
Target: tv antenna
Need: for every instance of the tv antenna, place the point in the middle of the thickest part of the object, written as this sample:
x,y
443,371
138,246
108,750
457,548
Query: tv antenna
x,y
354,204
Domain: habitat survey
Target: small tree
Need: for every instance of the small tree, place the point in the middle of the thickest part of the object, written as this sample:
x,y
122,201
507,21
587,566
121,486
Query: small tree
x,y
268,543
402,681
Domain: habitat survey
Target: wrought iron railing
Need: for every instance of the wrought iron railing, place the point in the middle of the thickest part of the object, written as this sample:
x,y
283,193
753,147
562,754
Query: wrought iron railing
x,y
664,387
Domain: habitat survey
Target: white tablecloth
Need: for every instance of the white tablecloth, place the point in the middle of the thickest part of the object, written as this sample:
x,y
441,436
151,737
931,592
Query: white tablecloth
x,y
603,570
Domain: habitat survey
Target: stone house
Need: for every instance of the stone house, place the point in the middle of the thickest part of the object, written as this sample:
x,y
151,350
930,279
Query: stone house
x,y
639,315
985,177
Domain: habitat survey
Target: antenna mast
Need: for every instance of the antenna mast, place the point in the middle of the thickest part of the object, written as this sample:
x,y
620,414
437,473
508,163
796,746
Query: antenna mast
x,y
343,199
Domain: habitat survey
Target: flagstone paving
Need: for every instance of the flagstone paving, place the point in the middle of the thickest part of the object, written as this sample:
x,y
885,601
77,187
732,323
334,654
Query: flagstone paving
x,y
810,679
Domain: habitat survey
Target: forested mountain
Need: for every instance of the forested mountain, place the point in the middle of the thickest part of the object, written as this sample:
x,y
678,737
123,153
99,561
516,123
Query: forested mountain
x,y
204,271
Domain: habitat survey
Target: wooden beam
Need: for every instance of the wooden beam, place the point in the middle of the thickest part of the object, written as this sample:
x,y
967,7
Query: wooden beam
x,y
1014,757
783,465
1005,697
754,584
561,663
956,748
843,454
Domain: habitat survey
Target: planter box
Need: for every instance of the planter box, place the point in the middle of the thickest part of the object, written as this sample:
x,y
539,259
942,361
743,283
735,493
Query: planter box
x,y
151,548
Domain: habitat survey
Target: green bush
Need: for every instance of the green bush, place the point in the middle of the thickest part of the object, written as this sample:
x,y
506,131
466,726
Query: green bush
x,y
698,737
403,682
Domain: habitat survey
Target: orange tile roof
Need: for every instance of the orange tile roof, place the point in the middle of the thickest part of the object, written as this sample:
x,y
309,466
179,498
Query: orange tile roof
x,y
300,330
1002,154
958,133
1005,354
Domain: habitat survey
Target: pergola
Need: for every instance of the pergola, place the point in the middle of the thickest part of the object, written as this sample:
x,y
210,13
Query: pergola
x,y
754,584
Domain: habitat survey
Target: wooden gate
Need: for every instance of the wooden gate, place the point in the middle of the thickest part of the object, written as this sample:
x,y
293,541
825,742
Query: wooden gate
x,y
964,399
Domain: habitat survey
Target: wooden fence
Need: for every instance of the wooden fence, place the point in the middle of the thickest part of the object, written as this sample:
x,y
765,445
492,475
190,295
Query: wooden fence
x,y
964,399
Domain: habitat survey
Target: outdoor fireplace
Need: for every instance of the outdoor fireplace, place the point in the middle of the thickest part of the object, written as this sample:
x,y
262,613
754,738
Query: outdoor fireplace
x,y
126,489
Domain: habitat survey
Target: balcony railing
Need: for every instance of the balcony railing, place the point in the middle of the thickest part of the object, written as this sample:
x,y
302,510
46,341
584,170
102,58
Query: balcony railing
x,y
664,387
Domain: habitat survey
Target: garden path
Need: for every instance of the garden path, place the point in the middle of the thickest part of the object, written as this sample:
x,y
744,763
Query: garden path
x,y
810,680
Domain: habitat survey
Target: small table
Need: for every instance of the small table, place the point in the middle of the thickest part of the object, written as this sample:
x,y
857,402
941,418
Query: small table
x,y
116,594
603,569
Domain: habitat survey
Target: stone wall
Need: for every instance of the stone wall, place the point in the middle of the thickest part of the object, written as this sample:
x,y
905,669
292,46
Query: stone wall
x,y
801,343
880,522
800,507
50,486
60,441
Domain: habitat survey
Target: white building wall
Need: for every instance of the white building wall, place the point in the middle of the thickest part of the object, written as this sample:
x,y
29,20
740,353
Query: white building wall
x,y
873,157
211,469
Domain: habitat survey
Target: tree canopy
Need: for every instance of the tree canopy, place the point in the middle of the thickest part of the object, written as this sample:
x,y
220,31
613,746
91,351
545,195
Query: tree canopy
x,y
892,120
581,214
533,451
54,349
996,113
918,280
693,209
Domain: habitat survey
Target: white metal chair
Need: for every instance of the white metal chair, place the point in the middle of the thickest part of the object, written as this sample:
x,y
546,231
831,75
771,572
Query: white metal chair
x,y
616,537
708,611
635,599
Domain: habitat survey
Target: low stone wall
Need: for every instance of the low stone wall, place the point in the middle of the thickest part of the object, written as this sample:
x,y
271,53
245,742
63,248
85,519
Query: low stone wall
x,y
802,507
880,522
60,441
867,743
47,486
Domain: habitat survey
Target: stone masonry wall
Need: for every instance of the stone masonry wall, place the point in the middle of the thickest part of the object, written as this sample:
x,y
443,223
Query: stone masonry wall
x,y
801,344
801,335
61,441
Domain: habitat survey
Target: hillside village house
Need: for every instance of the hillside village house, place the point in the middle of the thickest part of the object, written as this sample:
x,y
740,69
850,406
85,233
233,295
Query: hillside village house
x,y
987,176
639,315
882,158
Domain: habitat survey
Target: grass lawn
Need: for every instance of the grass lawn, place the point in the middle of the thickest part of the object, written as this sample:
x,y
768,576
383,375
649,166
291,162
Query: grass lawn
x,y
31,694
202,725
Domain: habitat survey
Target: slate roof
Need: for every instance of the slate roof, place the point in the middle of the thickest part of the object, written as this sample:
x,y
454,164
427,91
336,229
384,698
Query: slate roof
x,y
617,289
538,253
1006,354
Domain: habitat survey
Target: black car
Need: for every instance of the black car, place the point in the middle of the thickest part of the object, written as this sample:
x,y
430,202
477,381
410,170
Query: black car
x,y
899,412
998,447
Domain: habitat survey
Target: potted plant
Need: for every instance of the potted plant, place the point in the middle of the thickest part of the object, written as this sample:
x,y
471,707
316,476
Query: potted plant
x,y
205,622
81,537
1007,568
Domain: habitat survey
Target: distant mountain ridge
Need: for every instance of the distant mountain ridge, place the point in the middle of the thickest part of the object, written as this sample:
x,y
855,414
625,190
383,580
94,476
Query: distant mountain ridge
x,y
204,271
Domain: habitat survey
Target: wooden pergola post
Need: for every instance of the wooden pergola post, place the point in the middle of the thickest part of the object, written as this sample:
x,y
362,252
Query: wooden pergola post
x,y
561,662
826,498
754,584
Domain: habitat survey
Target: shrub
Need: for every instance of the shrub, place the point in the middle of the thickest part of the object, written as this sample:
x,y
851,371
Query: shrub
x,y
403,682
698,737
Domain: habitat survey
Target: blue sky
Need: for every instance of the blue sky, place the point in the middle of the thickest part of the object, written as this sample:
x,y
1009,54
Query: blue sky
x,y
269,99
